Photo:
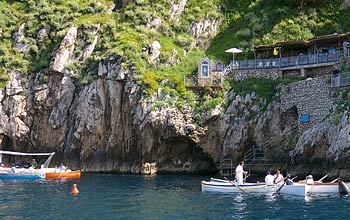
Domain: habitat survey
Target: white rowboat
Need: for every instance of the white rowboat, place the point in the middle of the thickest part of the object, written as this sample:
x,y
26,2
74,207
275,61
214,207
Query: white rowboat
x,y
228,187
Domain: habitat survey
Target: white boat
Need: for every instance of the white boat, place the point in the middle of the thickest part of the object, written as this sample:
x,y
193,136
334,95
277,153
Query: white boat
x,y
298,188
322,187
7,172
303,188
225,186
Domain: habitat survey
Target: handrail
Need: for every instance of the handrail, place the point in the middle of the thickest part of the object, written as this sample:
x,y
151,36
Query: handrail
x,y
291,61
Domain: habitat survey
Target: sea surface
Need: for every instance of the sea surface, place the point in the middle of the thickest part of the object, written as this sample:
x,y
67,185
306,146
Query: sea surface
x,y
104,197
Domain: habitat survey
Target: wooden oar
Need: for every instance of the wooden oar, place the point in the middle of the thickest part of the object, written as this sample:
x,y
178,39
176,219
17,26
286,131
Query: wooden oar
x,y
335,180
279,189
320,180
246,177
235,185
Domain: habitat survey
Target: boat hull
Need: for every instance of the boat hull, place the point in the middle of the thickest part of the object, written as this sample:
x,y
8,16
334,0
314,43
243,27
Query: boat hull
x,y
227,187
64,175
22,176
295,189
322,188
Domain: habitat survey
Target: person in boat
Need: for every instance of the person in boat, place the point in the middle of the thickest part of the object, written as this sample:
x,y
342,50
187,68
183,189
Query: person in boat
x,y
309,179
34,164
269,178
239,173
62,168
289,181
278,177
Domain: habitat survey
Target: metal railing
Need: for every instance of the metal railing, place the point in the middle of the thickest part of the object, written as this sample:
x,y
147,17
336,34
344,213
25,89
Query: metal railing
x,y
282,62
226,167
256,156
194,81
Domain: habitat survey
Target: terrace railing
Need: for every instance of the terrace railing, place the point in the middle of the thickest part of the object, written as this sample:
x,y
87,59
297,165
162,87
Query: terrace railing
x,y
291,61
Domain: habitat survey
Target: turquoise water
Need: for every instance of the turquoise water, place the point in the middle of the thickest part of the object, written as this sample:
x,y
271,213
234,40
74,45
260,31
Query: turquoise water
x,y
105,197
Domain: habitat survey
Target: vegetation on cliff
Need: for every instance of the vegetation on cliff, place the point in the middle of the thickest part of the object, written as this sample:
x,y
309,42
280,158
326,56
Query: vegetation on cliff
x,y
125,32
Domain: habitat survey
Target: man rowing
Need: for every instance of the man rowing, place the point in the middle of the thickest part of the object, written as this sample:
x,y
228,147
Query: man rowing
x,y
239,173
278,177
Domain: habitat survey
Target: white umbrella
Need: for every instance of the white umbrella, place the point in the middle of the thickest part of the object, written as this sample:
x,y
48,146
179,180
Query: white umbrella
x,y
233,51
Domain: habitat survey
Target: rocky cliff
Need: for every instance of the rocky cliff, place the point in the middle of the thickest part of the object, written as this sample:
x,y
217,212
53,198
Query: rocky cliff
x,y
108,124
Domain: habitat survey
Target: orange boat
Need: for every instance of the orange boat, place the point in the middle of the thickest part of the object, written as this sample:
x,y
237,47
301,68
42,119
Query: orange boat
x,y
64,175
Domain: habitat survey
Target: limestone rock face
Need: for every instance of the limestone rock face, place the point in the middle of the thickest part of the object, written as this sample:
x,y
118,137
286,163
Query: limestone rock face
x,y
43,33
108,126
65,54
176,9
104,127
100,127
154,23
206,27
63,100
154,52
89,48
19,37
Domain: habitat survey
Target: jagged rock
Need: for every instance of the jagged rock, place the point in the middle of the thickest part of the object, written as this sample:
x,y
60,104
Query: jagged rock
x,y
112,70
87,51
110,9
190,128
177,9
172,59
63,99
43,33
149,168
154,53
208,26
64,55
154,23
19,37
14,86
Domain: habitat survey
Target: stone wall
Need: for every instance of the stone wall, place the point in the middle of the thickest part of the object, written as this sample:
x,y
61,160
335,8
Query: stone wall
x,y
310,71
262,73
311,97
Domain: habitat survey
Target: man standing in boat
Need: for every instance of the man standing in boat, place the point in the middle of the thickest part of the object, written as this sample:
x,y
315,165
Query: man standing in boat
x,y
278,177
239,173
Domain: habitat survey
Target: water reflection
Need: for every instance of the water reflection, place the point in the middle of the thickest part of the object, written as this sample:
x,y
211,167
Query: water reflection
x,y
239,206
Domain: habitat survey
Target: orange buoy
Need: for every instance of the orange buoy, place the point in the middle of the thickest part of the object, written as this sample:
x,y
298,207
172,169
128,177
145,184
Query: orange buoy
x,y
74,189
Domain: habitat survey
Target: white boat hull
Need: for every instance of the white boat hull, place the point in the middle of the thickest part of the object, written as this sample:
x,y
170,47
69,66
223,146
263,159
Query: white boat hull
x,y
299,189
295,189
227,187
322,188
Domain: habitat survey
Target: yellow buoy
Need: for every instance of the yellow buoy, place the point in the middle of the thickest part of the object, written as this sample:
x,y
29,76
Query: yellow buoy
x,y
74,189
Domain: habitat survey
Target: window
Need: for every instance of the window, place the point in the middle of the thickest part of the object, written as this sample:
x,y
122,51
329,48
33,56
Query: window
x,y
304,118
205,69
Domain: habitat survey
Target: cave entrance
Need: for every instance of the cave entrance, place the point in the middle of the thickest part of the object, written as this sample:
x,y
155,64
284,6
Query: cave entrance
x,y
5,142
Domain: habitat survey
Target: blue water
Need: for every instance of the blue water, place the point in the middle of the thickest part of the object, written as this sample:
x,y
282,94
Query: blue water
x,y
105,197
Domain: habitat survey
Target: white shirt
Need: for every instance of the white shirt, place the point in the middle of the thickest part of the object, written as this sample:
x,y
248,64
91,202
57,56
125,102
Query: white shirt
x,y
269,179
278,178
239,171
310,181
